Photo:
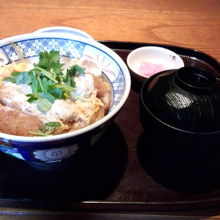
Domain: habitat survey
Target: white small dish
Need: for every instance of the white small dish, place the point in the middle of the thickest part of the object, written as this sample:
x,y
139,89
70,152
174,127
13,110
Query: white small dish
x,y
147,61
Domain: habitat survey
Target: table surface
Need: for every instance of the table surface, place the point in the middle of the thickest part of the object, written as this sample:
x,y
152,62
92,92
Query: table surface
x,y
192,24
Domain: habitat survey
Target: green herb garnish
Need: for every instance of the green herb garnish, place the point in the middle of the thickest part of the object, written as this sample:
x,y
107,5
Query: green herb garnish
x,y
46,129
47,80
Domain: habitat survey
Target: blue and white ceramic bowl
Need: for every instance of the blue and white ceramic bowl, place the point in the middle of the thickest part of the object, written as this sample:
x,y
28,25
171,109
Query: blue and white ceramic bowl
x,y
59,147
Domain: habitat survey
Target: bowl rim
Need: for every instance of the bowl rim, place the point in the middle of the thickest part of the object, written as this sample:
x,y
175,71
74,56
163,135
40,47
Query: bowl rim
x,y
133,52
92,126
64,29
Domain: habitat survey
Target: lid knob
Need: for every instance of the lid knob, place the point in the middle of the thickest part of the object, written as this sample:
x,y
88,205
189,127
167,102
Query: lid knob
x,y
194,80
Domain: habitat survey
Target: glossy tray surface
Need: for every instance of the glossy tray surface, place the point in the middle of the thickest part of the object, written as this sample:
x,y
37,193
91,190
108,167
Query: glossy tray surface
x,y
119,172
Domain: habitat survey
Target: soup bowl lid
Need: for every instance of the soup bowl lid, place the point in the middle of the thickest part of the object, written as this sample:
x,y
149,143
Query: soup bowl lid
x,y
187,99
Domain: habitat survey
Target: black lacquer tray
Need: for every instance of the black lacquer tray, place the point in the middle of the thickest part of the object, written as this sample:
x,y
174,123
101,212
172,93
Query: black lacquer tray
x,y
118,173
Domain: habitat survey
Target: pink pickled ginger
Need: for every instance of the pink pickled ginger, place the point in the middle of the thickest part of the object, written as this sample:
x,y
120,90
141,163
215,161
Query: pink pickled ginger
x,y
148,69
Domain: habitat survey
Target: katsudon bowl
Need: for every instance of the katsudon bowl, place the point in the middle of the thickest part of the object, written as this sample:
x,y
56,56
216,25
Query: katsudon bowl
x,y
58,147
